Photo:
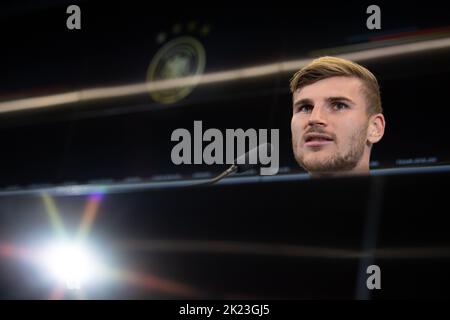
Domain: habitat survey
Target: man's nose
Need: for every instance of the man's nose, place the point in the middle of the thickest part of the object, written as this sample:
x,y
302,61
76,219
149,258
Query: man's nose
x,y
317,117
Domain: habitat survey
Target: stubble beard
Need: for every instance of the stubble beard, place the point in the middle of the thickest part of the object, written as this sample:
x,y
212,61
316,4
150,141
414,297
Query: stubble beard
x,y
337,162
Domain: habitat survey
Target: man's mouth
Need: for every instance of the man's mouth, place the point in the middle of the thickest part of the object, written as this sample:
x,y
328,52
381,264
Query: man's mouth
x,y
317,139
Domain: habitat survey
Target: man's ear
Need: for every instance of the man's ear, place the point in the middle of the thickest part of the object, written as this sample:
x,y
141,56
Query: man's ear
x,y
376,128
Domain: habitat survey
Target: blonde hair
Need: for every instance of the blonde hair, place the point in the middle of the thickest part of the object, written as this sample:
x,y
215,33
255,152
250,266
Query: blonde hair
x,y
327,67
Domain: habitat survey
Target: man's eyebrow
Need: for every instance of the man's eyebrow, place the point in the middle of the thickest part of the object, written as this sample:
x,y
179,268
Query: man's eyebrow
x,y
339,98
329,99
302,102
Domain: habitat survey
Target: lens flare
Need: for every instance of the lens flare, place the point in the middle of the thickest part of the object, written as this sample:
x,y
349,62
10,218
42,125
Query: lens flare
x,y
71,263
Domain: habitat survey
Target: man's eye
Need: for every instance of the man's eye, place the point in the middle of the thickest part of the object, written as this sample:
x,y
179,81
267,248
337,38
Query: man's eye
x,y
340,106
304,108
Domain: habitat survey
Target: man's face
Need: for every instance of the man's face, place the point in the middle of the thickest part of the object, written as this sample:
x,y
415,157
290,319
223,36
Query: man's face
x,y
329,125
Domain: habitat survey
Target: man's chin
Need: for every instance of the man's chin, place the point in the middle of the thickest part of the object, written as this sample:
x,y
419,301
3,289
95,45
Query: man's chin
x,y
316,159
317,167
319,163
320,166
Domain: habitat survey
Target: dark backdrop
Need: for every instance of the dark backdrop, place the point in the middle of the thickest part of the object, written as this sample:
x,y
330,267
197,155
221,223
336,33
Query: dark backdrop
x,y
130,137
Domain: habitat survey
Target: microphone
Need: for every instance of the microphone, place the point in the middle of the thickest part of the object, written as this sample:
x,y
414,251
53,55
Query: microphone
x,y
242,163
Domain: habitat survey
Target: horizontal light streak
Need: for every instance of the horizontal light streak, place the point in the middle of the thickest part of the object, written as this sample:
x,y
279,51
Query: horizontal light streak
x,y
120,91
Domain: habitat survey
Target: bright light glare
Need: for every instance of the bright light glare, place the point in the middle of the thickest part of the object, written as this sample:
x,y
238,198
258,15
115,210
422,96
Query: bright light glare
x,y
71,263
